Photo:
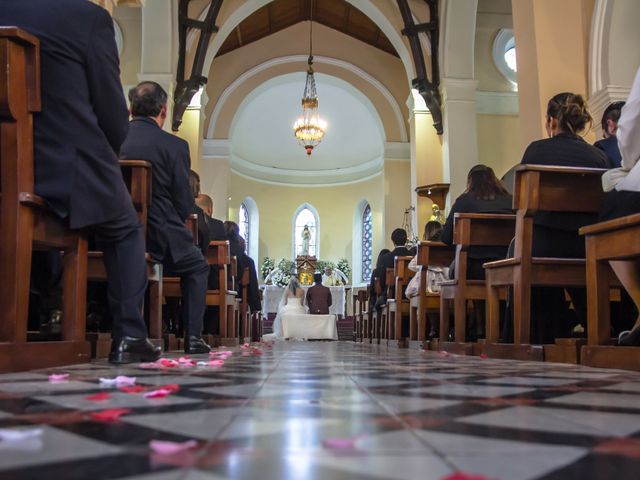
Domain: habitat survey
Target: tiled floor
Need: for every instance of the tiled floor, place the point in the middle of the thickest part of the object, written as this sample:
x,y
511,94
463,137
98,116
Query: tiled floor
x,y
340,410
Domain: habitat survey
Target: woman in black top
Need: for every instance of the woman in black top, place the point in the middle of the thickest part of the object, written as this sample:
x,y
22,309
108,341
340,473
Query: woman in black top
x,y
555,234
484,194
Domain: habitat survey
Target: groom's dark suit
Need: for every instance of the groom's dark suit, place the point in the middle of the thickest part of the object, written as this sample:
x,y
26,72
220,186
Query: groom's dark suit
x,y
319,299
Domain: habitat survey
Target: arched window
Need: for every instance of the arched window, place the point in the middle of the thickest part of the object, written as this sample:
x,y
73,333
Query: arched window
x,y
305,216
245,225
504,55
367,243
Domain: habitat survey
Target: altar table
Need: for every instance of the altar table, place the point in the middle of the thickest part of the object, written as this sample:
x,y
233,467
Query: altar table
x,y
272,294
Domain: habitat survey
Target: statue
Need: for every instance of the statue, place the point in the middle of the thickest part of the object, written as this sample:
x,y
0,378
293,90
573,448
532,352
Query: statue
x,y
436,214
306,237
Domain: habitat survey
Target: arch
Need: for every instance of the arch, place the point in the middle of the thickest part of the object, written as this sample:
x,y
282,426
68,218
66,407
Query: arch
x,y
297,59
365,6
253,244
358,257
315,232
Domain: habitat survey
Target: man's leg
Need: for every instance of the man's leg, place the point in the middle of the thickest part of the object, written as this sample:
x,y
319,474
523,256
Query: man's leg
x,y
122,242
193,271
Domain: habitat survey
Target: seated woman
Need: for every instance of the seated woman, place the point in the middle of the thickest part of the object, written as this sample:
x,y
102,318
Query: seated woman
x,y
237,247
484,194
556,234
624,199
373,297
432,231
291,303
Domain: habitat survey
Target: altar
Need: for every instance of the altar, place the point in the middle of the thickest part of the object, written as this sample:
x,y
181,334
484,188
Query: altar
x,y
272,294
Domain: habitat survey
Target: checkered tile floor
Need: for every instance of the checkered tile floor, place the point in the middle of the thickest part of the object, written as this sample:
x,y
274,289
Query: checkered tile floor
x,y
330,411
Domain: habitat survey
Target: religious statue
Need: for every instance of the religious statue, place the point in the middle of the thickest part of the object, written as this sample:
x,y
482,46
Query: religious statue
x,y
436,214
306,237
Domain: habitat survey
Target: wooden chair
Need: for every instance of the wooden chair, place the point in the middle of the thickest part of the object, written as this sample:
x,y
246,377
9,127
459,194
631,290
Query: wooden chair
x,y
27,224
539,189
617,239
138,177
436,254
470,230
397,308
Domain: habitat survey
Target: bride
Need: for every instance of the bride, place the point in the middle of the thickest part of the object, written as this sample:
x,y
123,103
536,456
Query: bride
x,y
290,303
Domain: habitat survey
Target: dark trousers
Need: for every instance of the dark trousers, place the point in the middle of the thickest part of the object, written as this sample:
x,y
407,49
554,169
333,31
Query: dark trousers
x,y
122,241
193,271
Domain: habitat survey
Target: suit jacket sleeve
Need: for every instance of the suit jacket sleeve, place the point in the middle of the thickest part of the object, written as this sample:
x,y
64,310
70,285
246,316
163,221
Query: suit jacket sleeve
x,y
329,299
103,76
183,200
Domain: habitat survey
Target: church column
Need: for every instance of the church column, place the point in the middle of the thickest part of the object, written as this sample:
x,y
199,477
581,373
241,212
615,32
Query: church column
x,y
460,147
215,166
157,59
426,157
552,40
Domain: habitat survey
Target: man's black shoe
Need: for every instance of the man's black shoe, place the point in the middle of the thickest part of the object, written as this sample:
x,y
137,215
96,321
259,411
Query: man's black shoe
x,y
196,345
133,350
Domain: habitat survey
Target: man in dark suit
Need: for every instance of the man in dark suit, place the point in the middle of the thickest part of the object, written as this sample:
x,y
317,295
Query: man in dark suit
x,y
168,239
399,239
318,297
204,236
77,137
216,227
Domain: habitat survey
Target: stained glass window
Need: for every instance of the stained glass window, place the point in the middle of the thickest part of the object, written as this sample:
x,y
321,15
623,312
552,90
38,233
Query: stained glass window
x,y
245,226
367,243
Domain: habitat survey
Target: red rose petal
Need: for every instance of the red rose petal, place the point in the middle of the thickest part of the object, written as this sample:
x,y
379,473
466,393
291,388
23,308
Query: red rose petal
x,y
108,416
98,397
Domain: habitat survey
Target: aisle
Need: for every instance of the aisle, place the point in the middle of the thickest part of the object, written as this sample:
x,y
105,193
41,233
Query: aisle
x,y
326,411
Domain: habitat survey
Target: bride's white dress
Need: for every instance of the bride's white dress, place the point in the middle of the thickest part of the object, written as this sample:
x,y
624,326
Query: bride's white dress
x,y
292,307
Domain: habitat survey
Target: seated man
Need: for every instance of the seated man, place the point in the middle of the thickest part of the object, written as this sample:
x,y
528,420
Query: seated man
x,y
168,239
76,139
318,297
399,239
216,227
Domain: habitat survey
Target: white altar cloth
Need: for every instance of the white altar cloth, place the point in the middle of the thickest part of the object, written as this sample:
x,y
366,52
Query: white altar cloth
x,y
272,294
310,327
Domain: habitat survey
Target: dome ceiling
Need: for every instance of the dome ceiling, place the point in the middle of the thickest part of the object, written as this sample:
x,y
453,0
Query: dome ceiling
x,y
263,146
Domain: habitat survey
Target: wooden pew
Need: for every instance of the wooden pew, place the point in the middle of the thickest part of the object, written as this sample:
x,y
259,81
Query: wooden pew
x,y
436,254
470,230
138,178
398,306
539,189
360,313
617,239
379,316
27,224
245,324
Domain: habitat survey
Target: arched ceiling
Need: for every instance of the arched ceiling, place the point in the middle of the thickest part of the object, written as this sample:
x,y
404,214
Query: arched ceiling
x,y
281,14
263,146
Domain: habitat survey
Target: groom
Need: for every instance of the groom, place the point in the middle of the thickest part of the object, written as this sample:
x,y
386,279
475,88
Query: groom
x,y
318,297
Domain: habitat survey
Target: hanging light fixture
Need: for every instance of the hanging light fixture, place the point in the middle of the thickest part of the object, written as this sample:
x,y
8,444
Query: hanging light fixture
x,y
309,129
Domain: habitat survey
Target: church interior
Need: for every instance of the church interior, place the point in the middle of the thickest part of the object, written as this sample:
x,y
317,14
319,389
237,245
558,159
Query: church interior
x,y
320,129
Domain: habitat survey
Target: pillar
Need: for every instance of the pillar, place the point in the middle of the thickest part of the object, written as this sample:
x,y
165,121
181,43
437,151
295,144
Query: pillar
x,y
552,41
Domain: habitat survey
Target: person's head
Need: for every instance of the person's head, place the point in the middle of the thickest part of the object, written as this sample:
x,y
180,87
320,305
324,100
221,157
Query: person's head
x,y
483,184
432,230
194,183
610,119
382,253
328,270
294,284
399,237
232,230
205,202
148,99
317,278
567,113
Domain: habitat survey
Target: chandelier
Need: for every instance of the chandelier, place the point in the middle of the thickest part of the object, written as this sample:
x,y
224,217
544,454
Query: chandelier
x,y
309,129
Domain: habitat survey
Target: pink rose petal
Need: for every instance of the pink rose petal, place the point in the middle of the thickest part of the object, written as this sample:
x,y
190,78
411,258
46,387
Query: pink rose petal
x,y
109,416
168,448
119,381
339,443
444,353
245,346
58,377
98,397
159,393
467,476
483,356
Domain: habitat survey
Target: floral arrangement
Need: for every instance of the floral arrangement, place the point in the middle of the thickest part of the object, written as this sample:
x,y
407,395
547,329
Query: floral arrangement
x,y
268,264
344,267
